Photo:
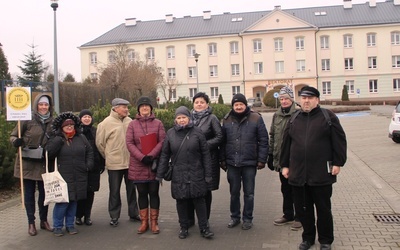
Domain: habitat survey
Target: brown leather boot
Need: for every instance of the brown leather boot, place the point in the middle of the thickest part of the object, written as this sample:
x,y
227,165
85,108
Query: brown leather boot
x,y
144,217
154,220
45,225
32,230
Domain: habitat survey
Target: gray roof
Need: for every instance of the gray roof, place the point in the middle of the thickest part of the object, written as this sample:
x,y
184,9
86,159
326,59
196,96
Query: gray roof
x,y
222,24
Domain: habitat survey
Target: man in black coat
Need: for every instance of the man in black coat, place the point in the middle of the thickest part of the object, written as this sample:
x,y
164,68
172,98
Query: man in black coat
x,y
313,152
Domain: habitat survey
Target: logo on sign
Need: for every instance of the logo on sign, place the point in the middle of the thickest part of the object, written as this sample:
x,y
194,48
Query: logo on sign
x,y
18,98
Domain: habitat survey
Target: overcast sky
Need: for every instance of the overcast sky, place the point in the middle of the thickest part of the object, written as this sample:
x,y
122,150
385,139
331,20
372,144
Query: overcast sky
x,y
26,22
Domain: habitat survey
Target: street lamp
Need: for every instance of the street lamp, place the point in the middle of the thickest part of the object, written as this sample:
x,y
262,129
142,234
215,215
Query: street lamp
x,y
196,58
54,5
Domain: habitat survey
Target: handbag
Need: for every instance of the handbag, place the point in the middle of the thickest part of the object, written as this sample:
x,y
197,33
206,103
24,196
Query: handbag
x,y
55,187
154,166
32,153
168,174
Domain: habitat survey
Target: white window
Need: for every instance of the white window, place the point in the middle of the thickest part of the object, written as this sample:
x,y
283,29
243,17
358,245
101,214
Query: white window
x,y
371,39
348,63
214,92
372,62
191,50
172,94
257,47
348,41
93,76
396,84
192,72
235,90
258,68
150,53
326,64
213,70
171,73
93,58
212,49
326,88
278,42
235,69
130,55
279,67
396,61
111,56
395,37
192,92
373,86
171,52
301,65
350,86
234,47
299,43
324,42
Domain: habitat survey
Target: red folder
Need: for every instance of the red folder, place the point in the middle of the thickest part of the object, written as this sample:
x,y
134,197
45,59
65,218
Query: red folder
x,y
148,143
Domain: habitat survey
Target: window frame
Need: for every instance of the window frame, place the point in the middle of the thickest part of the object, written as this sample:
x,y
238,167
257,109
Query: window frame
x,y
326,64
371,39
278,44
349,63
350,86
214,93
93,57
324,40
279,66
150,53
326,87
213,70
257,45
395,37
348,41
301,65
235,69
234,47
396,61
258,68
212,49
300,43
373,85
191,50
372,62
171,52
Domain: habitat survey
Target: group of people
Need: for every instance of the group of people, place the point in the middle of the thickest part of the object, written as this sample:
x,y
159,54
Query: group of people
x,y
307,146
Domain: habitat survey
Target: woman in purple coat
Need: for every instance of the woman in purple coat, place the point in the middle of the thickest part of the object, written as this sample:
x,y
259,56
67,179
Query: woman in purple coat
x,y
145,129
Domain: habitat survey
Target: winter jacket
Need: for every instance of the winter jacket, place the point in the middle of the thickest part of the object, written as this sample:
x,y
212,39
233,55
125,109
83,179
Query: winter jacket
x,y
211,128
110,141
278,124
138,128
74,160
245,140
192,165
308,144
99,163
35,133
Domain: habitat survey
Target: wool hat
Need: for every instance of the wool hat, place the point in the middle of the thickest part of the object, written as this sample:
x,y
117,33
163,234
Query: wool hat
x,y
201,95
182,110
286,92
85,112
119,101
309,91
67,122
144,100
239,98
44,99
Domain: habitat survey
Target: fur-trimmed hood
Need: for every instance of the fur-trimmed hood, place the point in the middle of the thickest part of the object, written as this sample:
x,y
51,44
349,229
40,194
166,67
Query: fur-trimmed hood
x,y
58,121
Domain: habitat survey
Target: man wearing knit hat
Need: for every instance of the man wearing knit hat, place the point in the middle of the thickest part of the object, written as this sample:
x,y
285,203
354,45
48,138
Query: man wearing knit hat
x,y
278,124
243,152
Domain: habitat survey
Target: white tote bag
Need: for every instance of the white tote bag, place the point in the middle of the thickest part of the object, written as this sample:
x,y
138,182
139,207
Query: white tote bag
x,y
55,187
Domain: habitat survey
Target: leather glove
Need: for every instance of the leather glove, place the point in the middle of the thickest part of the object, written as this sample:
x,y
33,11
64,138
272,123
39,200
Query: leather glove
x,y
18,142
208,180
222,165
147,160
270,162
260,165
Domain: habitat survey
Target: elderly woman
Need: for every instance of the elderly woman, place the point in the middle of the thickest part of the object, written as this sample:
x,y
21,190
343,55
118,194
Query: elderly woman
x,y
144,139
74,158
191,170
211,127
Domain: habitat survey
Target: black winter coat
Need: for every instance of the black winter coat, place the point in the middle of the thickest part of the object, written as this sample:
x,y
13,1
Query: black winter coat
x,y
308,144
211,128
74,160
99,163
192,166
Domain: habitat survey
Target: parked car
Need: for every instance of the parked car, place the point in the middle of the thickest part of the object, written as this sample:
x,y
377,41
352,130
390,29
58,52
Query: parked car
x,y
254,102
394,126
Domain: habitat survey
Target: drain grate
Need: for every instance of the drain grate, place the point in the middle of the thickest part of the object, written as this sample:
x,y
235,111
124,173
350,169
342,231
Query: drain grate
x,y
388,218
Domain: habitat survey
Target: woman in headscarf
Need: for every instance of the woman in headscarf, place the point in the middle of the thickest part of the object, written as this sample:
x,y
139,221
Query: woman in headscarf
x,y
186,147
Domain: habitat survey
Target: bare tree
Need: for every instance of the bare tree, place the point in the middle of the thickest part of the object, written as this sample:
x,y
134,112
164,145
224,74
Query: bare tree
x,y
167,86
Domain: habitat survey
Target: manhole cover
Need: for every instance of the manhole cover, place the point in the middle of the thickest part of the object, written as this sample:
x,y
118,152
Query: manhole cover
x,y
387,218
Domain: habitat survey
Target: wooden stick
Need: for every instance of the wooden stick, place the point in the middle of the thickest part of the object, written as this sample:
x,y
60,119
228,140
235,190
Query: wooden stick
x,y
21,174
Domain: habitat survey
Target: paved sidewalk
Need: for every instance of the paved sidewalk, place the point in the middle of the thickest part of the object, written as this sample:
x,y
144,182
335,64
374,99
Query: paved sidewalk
x,y
369,184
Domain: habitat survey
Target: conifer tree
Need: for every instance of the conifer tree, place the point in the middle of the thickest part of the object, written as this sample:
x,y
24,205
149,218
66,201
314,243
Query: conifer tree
x,y
4,73
33,68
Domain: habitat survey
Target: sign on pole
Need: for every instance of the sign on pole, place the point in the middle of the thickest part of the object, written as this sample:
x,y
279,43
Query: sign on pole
x,y
18,103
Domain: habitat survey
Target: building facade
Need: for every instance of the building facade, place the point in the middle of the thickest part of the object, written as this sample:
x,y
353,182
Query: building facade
x,y
352,45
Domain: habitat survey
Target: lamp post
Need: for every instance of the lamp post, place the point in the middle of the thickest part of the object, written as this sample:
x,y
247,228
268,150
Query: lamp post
x,y
196,58
54,5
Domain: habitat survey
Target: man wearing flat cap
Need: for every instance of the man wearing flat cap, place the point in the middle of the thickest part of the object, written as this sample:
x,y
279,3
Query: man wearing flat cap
x,y
111,143
313,151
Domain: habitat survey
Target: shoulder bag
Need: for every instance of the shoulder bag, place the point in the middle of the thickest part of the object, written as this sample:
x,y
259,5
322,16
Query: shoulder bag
x,y
55,187
168,174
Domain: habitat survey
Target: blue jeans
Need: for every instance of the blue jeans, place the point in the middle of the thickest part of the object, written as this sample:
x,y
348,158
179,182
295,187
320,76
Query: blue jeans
x,y
29,193
64,210
237,175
